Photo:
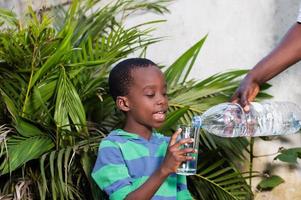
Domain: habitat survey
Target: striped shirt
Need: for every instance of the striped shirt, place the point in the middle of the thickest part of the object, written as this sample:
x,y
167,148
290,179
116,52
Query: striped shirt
x,y
125,161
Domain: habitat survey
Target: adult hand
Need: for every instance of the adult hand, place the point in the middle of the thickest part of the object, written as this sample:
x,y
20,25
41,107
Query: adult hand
x,y
246,92
175,155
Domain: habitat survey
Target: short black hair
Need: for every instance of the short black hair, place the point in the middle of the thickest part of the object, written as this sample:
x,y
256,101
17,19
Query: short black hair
x,y
120,76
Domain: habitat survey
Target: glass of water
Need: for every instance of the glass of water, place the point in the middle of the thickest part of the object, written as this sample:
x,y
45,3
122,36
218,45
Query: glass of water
x,y
189,167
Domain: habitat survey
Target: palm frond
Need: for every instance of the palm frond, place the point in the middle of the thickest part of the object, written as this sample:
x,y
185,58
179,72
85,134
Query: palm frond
x,y
59,170
30,148
9,17
178,72
221,179
60,173
68,105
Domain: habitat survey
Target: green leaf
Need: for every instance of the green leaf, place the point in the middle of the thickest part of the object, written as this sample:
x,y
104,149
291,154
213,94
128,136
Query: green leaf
x,y
180,69
43,183
270,182
9,17
289,158
30,148
27,129
57,57
9,104
68,104
289,155
219,177
172,118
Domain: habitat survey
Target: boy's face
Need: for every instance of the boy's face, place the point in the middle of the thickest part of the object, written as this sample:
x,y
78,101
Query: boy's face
x,y
147,98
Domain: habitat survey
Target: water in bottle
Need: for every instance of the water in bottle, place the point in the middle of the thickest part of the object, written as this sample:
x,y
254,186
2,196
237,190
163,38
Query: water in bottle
x,y
263,119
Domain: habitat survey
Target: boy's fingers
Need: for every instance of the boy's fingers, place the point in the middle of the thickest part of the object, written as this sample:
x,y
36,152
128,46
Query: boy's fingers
x,y
187,150
183,141
174,137
185,158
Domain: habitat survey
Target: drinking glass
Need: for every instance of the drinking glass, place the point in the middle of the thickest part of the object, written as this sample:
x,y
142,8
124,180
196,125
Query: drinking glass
x,y
189,167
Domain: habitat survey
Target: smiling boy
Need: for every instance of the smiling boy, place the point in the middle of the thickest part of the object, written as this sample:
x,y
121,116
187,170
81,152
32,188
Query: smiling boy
x,y
136,162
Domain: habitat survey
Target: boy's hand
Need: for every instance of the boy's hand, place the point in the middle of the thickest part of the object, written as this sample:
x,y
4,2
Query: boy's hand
x,y
174,155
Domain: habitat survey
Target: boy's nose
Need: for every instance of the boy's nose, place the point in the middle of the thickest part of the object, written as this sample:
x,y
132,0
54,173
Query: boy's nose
x,y
162,100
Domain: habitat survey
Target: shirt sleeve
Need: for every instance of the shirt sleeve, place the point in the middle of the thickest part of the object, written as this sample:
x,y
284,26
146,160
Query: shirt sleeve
x,y
110,172
182,190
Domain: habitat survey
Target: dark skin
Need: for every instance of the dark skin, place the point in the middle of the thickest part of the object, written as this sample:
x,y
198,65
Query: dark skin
x,y
287,53
145,107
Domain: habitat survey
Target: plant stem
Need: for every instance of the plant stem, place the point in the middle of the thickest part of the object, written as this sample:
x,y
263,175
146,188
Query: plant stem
x,y
251,161
30,81
265,155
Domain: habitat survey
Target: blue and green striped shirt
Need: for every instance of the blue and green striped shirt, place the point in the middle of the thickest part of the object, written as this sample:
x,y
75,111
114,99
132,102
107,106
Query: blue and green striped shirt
x,y
125,161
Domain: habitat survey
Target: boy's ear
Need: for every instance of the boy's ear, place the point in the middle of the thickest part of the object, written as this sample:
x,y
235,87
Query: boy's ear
x,y
122,103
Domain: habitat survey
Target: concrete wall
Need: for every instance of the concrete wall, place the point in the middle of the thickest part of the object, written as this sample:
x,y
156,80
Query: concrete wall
x,y
19,6
240,32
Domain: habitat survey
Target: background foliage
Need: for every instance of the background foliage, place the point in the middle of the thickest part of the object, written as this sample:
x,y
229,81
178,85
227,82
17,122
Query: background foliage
x,y
55,108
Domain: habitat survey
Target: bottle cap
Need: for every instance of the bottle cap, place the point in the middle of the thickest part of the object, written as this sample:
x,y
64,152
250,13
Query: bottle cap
x,y
197,121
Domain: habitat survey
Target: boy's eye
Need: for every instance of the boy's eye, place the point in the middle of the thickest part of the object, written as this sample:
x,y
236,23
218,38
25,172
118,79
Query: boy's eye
x,y
150,95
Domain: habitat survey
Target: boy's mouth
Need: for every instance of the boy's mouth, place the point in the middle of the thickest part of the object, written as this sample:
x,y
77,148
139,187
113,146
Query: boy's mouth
x,y
160,115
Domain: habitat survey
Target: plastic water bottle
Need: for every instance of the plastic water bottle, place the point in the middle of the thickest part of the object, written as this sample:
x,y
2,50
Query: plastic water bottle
x,y
263,119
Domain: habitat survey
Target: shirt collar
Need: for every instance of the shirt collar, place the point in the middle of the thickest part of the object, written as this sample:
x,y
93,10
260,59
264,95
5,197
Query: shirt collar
x,y
155,137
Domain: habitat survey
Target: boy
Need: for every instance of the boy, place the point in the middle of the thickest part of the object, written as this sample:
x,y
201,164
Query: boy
x,y
135,162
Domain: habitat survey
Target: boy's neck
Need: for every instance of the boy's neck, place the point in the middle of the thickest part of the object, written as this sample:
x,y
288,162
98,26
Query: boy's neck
x,y
142,131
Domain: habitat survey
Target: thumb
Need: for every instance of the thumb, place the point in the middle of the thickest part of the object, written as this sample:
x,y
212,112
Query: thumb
x,y
174,137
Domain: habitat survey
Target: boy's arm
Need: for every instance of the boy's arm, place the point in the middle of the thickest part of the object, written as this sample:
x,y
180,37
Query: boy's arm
x,y
173,158
110,171
149,188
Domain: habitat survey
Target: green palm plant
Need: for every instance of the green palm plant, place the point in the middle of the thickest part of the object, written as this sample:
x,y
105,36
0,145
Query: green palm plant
x,y
51,71
56,109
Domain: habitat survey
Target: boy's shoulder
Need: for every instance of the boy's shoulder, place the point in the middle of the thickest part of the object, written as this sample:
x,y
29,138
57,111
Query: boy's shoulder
x,y
161,137
117,135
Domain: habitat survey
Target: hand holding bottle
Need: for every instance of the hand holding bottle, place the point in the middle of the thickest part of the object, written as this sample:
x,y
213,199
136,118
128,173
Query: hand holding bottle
x,y
246,92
